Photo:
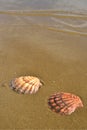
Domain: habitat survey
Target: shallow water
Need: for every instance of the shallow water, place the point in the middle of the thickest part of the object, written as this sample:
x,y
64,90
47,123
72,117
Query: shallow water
x,y
51,45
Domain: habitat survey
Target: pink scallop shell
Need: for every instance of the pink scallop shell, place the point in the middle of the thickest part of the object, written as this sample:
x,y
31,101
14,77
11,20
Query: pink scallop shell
x,y
64,103
26,84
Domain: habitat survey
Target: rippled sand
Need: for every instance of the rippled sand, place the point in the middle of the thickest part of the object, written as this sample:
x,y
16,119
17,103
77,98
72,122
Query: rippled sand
x,y
51,53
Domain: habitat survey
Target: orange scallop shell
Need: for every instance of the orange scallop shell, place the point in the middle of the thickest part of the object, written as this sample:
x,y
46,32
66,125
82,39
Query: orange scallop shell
x,y
64,103
26,84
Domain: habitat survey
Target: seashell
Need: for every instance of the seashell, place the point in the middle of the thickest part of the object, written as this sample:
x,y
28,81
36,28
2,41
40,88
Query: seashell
x,y
26,84
64,103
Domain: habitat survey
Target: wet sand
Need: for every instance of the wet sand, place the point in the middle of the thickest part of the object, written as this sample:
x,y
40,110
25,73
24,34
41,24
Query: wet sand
x,y
59,59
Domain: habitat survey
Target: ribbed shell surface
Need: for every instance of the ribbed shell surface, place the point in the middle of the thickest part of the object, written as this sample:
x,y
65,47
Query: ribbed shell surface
x,y
26,84
64,103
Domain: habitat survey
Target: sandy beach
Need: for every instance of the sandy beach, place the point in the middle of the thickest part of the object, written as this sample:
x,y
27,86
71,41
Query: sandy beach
x,y
47,39
58,58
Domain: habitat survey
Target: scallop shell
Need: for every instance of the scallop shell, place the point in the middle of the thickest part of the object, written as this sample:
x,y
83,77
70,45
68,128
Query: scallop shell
x,y
64,103
26,84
